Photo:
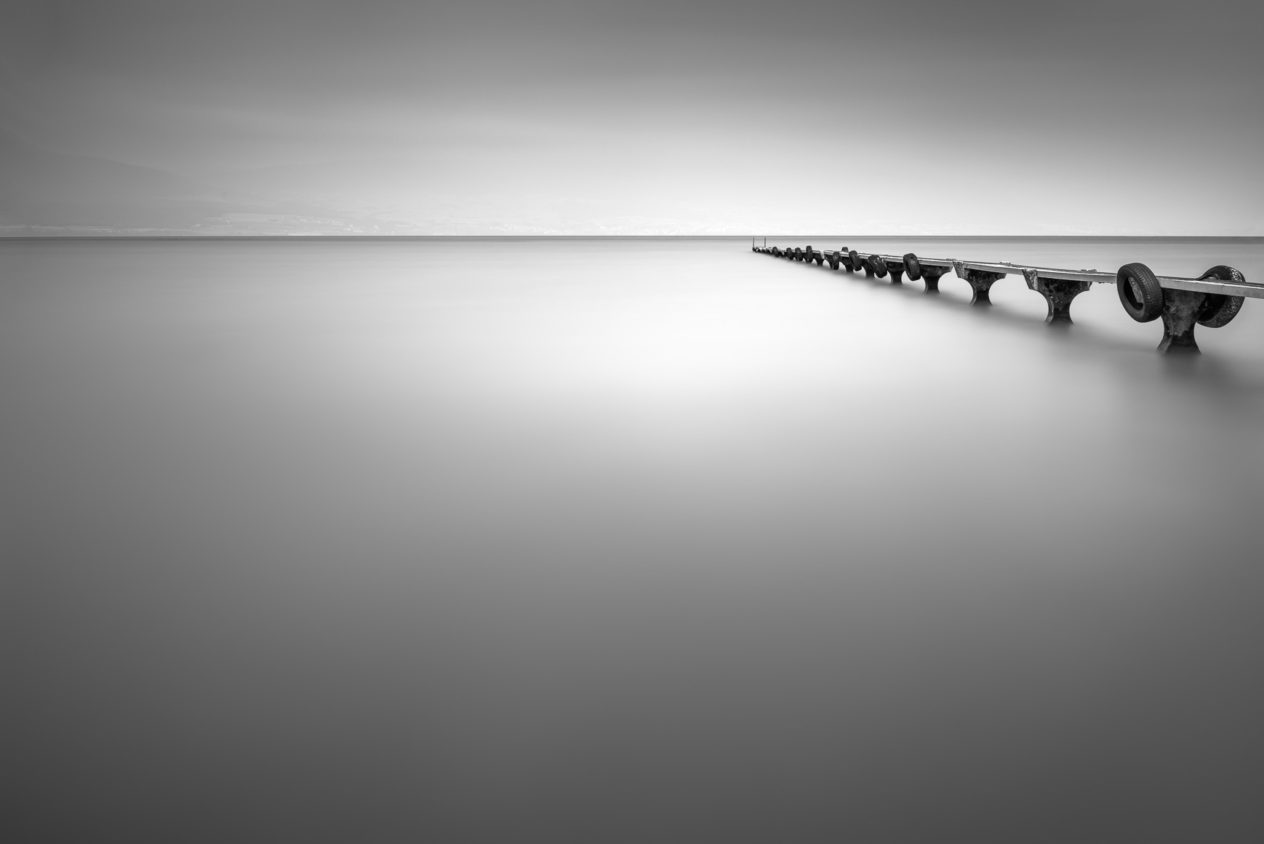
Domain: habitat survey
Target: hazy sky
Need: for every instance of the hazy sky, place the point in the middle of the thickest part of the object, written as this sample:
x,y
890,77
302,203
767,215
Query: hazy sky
x,y
680,116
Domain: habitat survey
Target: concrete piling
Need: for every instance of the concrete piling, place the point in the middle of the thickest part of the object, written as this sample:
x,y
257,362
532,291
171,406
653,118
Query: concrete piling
x,y
980,282
931,277
1180,315
1058,294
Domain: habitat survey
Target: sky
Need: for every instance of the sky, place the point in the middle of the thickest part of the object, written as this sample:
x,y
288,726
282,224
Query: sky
x,y
692,117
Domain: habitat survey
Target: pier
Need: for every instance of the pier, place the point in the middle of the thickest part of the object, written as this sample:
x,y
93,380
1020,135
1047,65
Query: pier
x,y
1212,300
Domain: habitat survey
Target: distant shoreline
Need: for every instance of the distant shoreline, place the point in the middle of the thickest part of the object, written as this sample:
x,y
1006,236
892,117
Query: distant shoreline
x,y
806,237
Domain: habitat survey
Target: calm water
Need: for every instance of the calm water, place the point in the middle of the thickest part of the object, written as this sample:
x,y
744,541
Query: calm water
x,y
621,541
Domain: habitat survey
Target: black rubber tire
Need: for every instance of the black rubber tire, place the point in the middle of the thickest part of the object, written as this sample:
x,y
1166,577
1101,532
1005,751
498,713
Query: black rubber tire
x,y
912,266
798,254
854,263
1218,310
879,265
1139,292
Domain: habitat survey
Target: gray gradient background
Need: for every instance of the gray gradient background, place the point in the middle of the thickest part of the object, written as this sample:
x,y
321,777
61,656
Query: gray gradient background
x,y
559,116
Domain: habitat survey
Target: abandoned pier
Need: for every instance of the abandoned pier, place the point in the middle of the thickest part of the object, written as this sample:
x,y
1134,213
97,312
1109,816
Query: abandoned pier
x,y
1211,300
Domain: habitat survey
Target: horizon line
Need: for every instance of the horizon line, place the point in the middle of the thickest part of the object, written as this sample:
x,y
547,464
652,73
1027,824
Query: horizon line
x,y
210,237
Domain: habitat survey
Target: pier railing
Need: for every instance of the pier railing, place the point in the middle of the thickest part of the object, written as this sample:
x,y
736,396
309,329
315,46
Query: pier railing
x,y
1211,300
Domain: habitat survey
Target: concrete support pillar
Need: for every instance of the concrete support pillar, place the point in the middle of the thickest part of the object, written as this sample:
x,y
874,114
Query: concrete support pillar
x,y
1180,315
1058,294
931,276
980,283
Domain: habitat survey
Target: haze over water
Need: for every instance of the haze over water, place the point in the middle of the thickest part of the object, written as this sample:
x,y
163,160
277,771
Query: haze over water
x,y
622,541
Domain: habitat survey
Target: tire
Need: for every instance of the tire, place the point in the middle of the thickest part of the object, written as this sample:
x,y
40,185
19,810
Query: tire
x,y
854,263
1139,292
912,266
1218,310
879,265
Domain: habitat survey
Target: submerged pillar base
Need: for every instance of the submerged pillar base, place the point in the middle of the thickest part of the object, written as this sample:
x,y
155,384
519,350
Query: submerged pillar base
x,y
1180,315
1058,294
930,278
981,283
896,271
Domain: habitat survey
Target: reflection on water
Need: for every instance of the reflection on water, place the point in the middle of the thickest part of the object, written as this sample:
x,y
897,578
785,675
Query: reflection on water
x,y
622,541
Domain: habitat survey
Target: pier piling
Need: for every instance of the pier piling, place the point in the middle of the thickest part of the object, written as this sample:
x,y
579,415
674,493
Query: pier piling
x,y
980,282
1180,315
931,277
1058,294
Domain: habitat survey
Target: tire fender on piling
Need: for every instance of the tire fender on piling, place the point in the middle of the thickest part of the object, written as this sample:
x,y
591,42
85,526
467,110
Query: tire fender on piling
x,y
912,266
879,265
1218,310
854,259
1139,292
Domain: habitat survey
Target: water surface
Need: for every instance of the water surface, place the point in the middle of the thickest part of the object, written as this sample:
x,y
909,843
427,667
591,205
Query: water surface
x,y
622,541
